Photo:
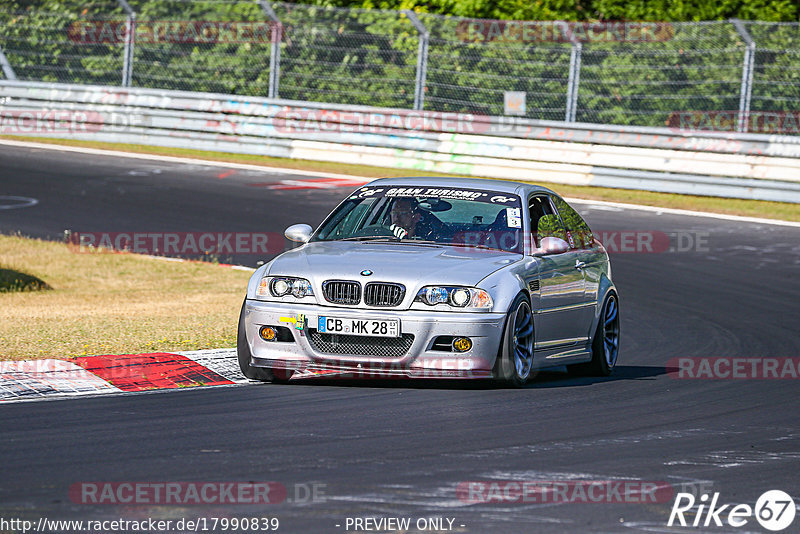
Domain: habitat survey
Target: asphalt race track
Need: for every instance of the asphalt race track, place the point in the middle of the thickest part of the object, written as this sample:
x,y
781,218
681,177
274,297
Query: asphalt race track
x,y
401,449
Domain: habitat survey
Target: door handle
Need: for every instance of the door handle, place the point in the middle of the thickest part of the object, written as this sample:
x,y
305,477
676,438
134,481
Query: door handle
x,y
579,264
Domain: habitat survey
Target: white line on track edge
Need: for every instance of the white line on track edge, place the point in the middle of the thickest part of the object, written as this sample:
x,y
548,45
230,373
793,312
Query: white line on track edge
x,y
281,170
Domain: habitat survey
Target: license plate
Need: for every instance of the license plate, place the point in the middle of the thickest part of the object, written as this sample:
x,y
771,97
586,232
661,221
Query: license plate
x,y
359,327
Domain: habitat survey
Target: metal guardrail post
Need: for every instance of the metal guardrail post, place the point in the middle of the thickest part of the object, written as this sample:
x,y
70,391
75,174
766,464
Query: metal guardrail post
x,y
748,65
6,66
575,56
130,33
276,35
422,59
573,83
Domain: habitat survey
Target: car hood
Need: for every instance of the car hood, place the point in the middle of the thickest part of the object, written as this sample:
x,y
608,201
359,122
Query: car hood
x,y
411,265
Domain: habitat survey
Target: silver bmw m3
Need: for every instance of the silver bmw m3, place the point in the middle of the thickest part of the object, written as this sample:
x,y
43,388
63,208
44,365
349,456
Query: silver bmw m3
x,y
435,278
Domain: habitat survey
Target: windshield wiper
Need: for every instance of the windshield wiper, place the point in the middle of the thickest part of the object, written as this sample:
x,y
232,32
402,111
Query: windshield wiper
x,y
391,239
419,242
371,238
470,245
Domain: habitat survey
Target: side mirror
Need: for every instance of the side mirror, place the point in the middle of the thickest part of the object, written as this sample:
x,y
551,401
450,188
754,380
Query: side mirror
x,y
551,245
299,233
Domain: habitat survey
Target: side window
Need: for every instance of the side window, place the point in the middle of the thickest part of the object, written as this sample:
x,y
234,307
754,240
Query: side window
x,y
579,235
544,221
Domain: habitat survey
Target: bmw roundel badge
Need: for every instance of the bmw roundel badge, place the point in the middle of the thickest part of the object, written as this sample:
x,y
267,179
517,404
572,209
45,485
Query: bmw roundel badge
x,y
366,272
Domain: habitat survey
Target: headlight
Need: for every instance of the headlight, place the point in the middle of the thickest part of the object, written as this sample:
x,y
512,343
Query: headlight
x,y
301,288
280,286
435,295
458,297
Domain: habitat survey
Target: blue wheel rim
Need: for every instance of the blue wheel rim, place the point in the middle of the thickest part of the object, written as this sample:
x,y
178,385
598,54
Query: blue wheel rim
x,y
522,342
611,331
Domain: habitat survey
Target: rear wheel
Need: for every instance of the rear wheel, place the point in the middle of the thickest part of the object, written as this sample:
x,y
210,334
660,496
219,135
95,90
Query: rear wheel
x,y
605,345
243,352
515,356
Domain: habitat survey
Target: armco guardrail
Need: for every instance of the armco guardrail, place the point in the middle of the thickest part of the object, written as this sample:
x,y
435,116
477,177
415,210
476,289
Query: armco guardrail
x,y
655,159
612,72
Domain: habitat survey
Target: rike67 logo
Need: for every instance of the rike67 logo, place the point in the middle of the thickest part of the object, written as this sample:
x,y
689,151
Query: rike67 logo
x,y
774,510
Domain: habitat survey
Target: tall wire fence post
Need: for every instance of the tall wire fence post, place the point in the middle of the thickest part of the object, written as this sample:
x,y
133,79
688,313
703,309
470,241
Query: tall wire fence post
x,y
422,59
130,33
574,80
276,35
8,72
748,65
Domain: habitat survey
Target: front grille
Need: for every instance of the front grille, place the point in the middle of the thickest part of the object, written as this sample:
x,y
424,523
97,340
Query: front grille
x,y
384,347
342,291
383,294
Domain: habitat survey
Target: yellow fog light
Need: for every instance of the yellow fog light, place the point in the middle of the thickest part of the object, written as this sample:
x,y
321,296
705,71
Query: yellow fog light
x,y
267,333
462,344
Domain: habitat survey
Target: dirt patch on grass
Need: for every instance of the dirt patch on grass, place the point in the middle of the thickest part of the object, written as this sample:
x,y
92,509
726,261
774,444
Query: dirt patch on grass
x,y
12,280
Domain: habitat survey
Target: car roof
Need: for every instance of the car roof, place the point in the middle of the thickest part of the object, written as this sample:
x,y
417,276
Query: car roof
x,y
501,186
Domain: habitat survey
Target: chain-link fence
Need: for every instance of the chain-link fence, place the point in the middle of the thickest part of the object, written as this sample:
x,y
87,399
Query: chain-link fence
x,y
45,45
201,45
726,75
348,56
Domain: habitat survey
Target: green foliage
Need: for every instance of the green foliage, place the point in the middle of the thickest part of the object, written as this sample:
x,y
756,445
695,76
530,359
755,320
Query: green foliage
x,y
369,56
661,10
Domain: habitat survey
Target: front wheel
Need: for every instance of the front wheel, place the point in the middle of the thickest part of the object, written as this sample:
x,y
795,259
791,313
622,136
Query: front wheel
x,y
515,356
605,345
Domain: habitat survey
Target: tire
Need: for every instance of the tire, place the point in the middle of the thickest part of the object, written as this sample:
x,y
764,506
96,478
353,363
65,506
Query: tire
x,y
605,344
244,355
514,363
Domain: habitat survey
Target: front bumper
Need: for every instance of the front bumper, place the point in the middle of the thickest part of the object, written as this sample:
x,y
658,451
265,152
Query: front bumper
x,y
419,361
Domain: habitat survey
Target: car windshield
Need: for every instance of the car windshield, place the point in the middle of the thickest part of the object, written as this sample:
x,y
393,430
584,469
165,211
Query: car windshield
x,y
442,216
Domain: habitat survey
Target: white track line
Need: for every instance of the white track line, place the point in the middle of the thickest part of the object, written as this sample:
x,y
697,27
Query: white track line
x,y
675,211
175,159
281,170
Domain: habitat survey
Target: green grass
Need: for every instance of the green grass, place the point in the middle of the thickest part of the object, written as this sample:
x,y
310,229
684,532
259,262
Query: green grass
x,y
112,303
750,208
